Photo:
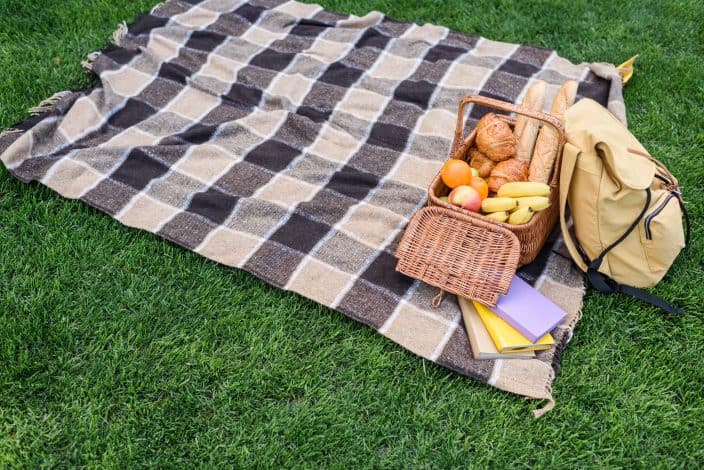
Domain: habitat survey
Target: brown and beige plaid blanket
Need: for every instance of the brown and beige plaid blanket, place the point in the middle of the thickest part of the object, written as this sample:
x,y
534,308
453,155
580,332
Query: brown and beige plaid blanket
x,y
296,143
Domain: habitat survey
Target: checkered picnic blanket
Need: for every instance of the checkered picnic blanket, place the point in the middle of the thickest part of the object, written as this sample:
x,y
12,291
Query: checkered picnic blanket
x,y
295,143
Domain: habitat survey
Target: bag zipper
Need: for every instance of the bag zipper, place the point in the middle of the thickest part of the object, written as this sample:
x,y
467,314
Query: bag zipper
x,y
649,218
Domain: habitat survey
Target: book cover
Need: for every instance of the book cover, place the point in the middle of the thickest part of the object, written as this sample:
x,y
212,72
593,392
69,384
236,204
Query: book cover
x,y
479,339
528,311
505,337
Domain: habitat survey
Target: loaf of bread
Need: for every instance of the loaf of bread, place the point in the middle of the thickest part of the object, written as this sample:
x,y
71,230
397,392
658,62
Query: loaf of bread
x,y
506,172
495,138
526,129
545,151
481,162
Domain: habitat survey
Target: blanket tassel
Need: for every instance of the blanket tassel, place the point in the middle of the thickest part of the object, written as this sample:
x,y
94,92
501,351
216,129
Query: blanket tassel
x,y
9,131
117,37
90,60
49,104
548,396
119,34
156,7
549,406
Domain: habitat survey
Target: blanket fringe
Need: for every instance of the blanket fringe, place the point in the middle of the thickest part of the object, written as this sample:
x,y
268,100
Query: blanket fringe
x,y
90,60
10,130
117,37
49,103
551,401
549,406
156,7
119,34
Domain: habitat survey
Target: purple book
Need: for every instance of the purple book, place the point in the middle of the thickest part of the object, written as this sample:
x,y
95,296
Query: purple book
x,y
528,311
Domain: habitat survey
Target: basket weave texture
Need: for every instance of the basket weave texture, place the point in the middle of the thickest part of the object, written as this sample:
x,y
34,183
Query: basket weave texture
x,y
463,255
464,252
533,234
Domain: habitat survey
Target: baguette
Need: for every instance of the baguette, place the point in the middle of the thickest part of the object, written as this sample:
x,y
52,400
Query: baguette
x,y
526,129
546,146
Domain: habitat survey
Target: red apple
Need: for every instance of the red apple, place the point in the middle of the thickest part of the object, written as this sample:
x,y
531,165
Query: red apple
x,y
466,197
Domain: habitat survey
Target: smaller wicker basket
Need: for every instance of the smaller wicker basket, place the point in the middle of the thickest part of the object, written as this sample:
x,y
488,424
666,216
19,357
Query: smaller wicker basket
x,y
460,254
464,252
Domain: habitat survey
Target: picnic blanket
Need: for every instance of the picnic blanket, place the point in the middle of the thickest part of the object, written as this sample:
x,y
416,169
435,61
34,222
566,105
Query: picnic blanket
x,y
295,143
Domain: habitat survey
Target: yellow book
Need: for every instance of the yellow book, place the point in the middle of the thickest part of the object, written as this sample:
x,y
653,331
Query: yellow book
x,y
481,343
505,337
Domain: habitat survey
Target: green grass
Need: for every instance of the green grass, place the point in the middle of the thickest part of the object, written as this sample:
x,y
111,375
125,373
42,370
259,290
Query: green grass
x,y
120,349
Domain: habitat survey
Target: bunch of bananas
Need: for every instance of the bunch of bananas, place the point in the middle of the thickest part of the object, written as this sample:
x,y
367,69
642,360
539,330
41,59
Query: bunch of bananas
x,y
517,202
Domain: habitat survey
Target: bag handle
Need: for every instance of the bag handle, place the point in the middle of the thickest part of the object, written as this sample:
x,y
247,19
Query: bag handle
x,y
511,108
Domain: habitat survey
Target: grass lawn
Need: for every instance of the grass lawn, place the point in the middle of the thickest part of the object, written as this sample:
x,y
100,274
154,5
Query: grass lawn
x,y
120,349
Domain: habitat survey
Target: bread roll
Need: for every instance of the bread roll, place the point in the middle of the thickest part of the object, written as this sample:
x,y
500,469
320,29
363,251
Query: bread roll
x,y
546,146
495,138
506,172
526,129
480,161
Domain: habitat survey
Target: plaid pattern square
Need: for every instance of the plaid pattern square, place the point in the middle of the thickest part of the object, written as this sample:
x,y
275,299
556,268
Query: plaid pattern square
x,y
294,143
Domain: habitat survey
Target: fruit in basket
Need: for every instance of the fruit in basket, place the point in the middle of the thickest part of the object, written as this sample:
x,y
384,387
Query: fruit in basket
x,y
474,171
537,203
456,173
506,172
521,216
498,216
495,139
480,185
466,197
523,189
499,204
444,199
481,163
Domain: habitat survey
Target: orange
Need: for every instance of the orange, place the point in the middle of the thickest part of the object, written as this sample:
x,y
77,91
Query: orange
x,y
456,173
480,185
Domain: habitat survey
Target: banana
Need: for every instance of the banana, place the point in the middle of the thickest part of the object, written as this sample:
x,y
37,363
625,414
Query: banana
x,y
498,204
522,189
521,216
498,216
537,203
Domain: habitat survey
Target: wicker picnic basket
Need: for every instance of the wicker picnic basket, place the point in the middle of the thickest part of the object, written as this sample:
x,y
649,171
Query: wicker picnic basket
x,y
463,252
457,253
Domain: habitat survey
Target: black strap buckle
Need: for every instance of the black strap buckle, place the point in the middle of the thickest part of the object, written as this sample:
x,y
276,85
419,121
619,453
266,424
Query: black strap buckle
x,y
601,282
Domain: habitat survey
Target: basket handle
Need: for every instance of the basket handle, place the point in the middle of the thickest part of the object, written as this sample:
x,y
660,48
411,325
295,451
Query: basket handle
x,y
503,106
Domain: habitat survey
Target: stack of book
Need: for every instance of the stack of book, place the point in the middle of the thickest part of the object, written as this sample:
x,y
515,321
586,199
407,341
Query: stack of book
x,y
519,325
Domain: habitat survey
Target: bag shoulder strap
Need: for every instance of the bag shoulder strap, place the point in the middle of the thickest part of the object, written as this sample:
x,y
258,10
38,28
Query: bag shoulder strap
x,y
606,285
570,154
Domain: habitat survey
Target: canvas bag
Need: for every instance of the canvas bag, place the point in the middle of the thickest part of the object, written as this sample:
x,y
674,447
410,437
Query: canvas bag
x,y
626,207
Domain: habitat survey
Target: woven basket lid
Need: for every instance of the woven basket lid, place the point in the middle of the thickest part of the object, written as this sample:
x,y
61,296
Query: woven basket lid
x,y
459,254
